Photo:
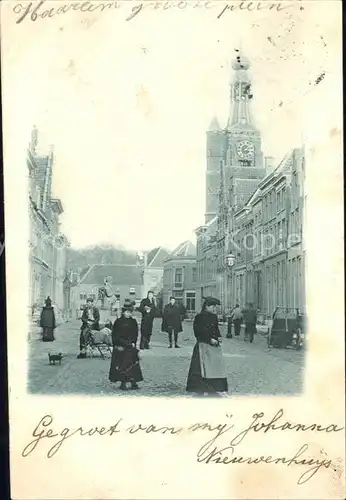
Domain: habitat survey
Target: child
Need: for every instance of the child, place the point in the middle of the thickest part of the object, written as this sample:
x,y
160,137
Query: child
x,y
125,361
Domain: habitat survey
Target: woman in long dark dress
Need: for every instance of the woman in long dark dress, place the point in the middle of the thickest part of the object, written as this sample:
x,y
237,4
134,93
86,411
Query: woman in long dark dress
x,y
47,321
125,361
207,374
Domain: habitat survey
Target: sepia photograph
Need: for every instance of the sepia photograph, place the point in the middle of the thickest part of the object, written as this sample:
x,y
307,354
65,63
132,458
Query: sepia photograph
x,y
173,228
195,285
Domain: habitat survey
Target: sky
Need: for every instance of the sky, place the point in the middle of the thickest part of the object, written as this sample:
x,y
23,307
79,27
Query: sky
x,y
127,105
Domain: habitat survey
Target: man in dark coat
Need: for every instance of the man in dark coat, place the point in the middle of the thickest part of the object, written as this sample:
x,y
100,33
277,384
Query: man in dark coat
x,y
171,321
47,321
90,321
250,320
148,309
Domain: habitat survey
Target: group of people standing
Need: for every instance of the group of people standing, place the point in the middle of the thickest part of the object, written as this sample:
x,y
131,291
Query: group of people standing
x,y
248,316
207,374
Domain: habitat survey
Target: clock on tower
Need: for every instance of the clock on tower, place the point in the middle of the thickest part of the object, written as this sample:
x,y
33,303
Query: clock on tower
x,y
245,150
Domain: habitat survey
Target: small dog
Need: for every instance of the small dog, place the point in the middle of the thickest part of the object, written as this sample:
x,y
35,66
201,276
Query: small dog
x,y
55,358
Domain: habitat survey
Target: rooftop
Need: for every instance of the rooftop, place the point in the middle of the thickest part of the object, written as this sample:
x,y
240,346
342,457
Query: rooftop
x,y
157,256
117,274
185,249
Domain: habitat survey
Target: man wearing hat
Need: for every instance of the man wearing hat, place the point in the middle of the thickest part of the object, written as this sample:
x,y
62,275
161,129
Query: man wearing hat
x,y
171,322
207,373
90,321
148,309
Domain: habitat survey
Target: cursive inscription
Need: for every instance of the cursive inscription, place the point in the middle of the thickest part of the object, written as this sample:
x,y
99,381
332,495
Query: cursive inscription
x,y
228,456
43,432
221,446
41,9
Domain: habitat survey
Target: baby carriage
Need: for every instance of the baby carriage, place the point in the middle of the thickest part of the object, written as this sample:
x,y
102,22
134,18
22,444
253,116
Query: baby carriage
x,y
99,340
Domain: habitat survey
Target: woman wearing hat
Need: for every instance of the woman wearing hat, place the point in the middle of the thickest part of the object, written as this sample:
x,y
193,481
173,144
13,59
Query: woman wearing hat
x,y
125,361
207,374
47,321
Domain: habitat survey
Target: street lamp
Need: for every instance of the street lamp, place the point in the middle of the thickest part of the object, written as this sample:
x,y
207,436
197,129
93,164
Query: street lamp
x,y
230,261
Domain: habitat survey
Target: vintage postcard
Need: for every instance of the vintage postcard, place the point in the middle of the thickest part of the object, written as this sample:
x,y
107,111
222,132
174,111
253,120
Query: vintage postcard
x,y
174,248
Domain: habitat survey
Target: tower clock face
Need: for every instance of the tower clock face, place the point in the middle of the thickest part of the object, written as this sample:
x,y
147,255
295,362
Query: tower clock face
x,y
245,150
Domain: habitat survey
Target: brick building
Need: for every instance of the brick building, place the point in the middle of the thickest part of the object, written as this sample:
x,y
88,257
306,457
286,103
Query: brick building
x,y
180,276
267,241
254,211
234,169
47,245
206,261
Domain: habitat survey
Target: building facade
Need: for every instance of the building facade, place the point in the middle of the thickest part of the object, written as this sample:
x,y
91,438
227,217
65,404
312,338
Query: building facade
x,y
153,263
206,255
267,241
47,245
124,281
254,212
180,276
235,166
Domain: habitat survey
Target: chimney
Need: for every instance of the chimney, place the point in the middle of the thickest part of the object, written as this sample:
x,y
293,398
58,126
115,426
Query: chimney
x,y
269,164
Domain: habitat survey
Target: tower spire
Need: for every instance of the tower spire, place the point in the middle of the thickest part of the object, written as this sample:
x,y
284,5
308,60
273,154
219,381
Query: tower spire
x,y
241,94
214,125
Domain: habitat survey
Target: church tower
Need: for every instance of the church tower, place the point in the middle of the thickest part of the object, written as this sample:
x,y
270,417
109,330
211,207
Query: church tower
x,y
238,146
244,158
216,150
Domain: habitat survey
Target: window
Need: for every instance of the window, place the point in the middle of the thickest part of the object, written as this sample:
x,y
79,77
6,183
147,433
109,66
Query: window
x,y
279,236
178,297
178,277
245,163
194,274
191,301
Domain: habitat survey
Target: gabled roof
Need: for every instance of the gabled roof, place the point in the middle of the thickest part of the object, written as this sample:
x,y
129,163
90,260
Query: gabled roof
x,y
157,256
283,168
185,249
119,274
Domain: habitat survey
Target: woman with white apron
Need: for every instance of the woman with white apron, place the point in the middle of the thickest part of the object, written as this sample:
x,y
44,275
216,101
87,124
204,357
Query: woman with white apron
x,y
207,374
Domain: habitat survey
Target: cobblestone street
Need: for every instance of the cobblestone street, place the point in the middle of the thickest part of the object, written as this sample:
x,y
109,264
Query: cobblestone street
x,y
251,368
